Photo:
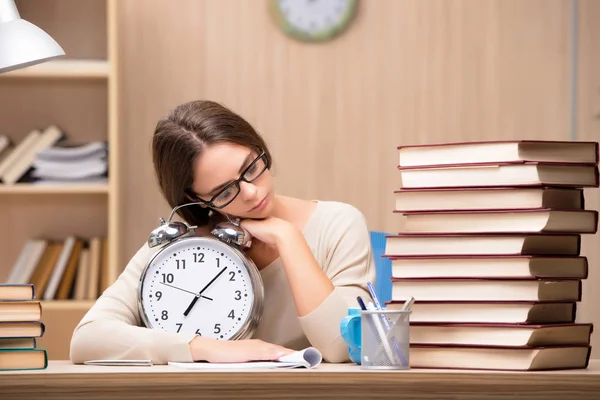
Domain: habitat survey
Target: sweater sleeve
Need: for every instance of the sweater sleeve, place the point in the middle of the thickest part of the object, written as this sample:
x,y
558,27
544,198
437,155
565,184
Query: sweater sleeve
x,y
348,263
112,328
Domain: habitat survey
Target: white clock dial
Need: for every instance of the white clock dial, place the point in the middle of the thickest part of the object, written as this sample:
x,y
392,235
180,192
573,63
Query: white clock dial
x,y
315,19
200,286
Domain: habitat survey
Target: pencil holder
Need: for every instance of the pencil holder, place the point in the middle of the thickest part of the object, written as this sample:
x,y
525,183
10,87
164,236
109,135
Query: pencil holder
x,y
385,340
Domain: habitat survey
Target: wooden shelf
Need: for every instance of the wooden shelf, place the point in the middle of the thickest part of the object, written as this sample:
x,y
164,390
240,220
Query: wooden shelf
x,y
28,188
79,69
52,305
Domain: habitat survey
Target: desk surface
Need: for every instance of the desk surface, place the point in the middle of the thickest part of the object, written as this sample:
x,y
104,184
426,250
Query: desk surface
x,y
63,380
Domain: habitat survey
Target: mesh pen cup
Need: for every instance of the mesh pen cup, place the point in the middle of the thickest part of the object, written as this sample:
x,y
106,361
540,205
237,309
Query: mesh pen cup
x,y
385,340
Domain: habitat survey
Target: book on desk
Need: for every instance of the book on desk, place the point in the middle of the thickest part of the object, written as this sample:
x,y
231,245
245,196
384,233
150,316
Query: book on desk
x,y
491,251
20,326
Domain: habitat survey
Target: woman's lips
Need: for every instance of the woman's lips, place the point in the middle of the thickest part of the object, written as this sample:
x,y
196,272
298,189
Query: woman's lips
x,y
260,205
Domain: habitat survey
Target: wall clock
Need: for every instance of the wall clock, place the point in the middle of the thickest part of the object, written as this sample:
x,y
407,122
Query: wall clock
x,y
313,20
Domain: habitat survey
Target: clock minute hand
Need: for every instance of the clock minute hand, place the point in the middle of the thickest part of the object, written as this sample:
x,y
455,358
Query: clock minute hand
x,y
187,311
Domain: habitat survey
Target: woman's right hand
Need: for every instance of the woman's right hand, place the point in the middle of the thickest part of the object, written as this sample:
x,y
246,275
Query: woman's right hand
x,y
229,351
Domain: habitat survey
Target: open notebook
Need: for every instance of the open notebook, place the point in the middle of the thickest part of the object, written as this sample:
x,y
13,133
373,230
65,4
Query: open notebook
x,y
307,358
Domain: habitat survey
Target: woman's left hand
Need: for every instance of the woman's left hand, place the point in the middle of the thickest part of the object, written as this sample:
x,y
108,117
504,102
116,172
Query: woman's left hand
x,y
270,230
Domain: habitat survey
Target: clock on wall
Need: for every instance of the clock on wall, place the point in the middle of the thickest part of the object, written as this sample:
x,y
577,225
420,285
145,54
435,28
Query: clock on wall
x,y
313,20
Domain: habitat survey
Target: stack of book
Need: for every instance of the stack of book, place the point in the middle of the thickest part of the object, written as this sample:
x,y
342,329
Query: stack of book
x,y
48,156
20,326
490,250
69,162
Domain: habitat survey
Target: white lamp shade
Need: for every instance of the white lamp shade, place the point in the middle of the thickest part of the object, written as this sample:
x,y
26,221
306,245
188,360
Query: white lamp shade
x,y
23,44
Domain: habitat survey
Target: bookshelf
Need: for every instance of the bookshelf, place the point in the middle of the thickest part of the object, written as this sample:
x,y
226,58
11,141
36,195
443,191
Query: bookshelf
x,y
64,69
78,94
25,188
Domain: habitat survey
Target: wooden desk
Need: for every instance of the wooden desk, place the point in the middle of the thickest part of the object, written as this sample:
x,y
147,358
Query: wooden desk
x,y
62,380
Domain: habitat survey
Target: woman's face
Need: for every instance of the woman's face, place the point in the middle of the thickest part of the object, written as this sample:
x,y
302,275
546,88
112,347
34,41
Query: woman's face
x,y
223,163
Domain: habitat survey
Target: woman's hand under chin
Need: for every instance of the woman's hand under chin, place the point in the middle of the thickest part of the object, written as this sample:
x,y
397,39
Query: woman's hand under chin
x,y
271,230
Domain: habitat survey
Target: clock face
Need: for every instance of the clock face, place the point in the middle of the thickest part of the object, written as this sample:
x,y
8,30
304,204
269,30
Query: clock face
x,y
198,285
314,20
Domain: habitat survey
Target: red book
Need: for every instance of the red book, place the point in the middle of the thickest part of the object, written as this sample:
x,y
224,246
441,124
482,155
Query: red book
x,y
505,221
498,151
487,174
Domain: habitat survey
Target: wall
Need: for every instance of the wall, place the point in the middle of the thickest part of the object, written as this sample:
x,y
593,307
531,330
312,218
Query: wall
x,y
410,71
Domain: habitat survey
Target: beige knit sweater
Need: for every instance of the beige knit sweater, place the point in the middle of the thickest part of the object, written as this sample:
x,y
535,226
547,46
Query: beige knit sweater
x,y
338,237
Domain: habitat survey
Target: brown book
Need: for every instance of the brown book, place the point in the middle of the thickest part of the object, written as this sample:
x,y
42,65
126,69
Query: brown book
x,y
81,279
578,152
479,289
43,271
489,175
500,358
23,359
17,343
58,271
68,277
512,335
505,221
22,329
10,291
499,197
490,267
490,312
20,311
95,260
469,244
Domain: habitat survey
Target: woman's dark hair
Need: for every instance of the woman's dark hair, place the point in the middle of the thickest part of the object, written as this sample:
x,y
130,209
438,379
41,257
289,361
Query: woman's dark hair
x,y
178,141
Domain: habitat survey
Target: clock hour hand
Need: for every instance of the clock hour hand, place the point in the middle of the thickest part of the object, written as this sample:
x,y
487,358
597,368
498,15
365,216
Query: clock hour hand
x,y
187,311
183,290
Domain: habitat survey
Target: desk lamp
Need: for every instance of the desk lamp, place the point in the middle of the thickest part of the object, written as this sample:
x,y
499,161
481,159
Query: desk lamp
x,y
23,44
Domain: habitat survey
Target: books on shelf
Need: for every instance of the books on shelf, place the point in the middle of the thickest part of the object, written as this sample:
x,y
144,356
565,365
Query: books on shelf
x,y
491,251
71,269
49,156
20,325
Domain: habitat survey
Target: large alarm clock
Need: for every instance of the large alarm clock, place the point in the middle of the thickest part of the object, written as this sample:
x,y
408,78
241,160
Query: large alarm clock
x,y
204,285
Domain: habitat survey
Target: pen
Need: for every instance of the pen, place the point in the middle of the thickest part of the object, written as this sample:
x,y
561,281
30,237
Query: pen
x,y
361,303
386,323
408,304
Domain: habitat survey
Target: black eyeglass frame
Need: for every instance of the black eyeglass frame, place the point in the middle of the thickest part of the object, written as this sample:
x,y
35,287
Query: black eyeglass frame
x,y
210,203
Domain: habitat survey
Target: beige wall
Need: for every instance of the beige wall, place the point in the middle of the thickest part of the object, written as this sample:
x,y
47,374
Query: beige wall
x,y
407,71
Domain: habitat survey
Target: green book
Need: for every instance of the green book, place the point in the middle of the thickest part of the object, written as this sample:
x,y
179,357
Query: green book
x,y
23,359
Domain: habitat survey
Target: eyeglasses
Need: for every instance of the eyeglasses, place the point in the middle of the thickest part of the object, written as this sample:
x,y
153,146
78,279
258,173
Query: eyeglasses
x,y
231,191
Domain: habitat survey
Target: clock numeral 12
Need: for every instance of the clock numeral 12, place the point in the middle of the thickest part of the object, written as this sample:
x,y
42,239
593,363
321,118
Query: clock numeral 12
x,y
198,257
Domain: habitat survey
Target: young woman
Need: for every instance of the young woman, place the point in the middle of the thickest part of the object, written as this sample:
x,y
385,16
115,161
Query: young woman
x,y
314,256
